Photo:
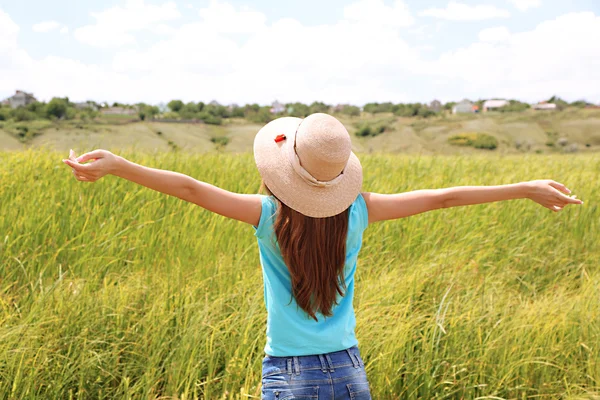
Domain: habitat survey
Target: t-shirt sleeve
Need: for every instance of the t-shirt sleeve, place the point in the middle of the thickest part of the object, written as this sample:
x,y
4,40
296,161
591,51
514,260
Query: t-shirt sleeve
x,y
267,211
363,212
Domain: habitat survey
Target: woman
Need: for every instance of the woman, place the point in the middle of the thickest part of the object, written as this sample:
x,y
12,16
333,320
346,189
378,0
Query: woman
x,y
309,231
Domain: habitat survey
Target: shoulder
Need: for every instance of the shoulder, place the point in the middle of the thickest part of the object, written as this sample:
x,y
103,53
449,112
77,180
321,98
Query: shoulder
x,y
360,211
268,209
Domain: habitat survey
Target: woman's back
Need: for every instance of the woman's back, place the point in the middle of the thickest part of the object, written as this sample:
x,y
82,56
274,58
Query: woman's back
x,y
290,331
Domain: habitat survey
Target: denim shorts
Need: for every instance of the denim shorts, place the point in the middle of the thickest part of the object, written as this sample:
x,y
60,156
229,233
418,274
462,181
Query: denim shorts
x,y
331,376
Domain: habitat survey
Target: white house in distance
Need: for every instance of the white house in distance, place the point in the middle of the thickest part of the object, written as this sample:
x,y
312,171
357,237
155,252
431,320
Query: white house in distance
x,y
19,99
543,105
277,107
491,105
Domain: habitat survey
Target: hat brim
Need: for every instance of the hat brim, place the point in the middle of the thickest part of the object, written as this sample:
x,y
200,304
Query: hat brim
x,y
283,181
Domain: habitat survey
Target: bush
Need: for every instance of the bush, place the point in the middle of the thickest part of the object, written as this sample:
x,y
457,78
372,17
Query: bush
x,y
352,111
366,129
220,141
474,139
22,114
263,115
208,118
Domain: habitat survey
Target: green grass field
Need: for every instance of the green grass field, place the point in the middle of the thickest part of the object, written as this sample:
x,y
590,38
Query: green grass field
x,y
109,290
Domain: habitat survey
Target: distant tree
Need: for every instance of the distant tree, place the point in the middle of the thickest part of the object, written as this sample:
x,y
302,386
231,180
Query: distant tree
x,y
175,105
57,107
353,111
425,112
200,106
560,103
38,108
375,108
449,105
237,112
263,115
217,110
189,111
147,111
514,106
319,107
299,110
22,114
580,104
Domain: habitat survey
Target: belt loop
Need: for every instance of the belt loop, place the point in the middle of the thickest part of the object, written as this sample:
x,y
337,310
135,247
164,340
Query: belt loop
x,y
323,365
358,360
354,361
330,363
297,365
289,366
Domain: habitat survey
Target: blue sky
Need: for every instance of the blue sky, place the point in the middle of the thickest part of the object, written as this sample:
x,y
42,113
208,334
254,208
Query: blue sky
x,y
337,51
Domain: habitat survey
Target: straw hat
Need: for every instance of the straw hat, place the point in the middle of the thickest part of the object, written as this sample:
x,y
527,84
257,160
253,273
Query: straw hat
x,y
309,164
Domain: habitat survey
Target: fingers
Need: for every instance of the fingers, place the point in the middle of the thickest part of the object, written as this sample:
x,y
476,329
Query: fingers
x,y
560,187
81,177
92,155
568,199
76,166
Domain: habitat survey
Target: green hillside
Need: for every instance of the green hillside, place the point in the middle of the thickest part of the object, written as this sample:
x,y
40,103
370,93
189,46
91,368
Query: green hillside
x,y
573,130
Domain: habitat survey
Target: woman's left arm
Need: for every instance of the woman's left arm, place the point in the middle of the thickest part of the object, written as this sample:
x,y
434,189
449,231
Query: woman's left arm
x,y
242,207
548,193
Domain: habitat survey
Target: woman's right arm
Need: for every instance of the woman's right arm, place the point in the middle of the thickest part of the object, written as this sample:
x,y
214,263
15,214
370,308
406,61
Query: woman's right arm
x,y
239,206
548,193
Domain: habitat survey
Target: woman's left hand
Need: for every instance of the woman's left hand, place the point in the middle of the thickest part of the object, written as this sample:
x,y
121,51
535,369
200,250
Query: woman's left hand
x,y
102,162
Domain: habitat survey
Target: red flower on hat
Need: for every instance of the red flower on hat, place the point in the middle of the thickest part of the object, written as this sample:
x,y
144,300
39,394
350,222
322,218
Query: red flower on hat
x,y
279,138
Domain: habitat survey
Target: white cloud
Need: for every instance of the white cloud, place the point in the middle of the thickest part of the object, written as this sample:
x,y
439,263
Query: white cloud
x,y
64,30
13,61
496,34
222,17
463,12
346,61
525,5
531,65
114,26
46,26
375,12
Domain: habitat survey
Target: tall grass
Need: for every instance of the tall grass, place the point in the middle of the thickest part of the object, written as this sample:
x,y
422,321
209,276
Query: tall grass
x,y
110,290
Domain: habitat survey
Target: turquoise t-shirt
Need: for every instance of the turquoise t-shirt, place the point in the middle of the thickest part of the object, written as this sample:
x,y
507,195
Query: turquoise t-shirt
x,y
290,331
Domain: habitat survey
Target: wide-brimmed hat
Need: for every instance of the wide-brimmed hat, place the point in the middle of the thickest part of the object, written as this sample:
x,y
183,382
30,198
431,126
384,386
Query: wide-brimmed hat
x,y
308,164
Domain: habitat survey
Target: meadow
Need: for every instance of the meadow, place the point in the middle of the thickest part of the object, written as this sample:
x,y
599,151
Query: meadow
x,y
571,130
109,290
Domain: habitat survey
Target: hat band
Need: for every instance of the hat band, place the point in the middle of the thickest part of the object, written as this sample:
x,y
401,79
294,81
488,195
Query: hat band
x,y
304,174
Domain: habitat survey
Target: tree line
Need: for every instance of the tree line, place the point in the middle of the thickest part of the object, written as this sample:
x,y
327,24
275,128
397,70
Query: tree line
x,y
213,113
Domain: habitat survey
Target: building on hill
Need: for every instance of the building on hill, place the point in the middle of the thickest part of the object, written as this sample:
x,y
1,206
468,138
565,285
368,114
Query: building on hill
x,y
435,106
544,105
232,107
86,104
464,107
491,105
277,107
119,111
19,99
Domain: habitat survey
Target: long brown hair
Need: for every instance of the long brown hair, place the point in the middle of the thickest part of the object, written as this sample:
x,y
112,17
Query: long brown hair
x,y
314,251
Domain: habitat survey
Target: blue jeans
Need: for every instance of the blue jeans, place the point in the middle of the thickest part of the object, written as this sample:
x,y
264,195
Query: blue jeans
x,y
332,376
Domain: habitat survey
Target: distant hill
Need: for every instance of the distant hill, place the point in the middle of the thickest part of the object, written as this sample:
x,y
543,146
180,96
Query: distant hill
x,y
530,131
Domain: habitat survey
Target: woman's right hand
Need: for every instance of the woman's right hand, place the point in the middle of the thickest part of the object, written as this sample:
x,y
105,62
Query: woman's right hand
x,y
550,194
102,162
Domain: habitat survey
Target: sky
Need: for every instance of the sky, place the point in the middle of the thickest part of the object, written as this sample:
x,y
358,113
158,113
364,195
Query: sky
x,y
336,51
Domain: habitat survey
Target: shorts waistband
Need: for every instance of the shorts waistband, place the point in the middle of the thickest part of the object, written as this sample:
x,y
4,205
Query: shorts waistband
x,y
325,362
